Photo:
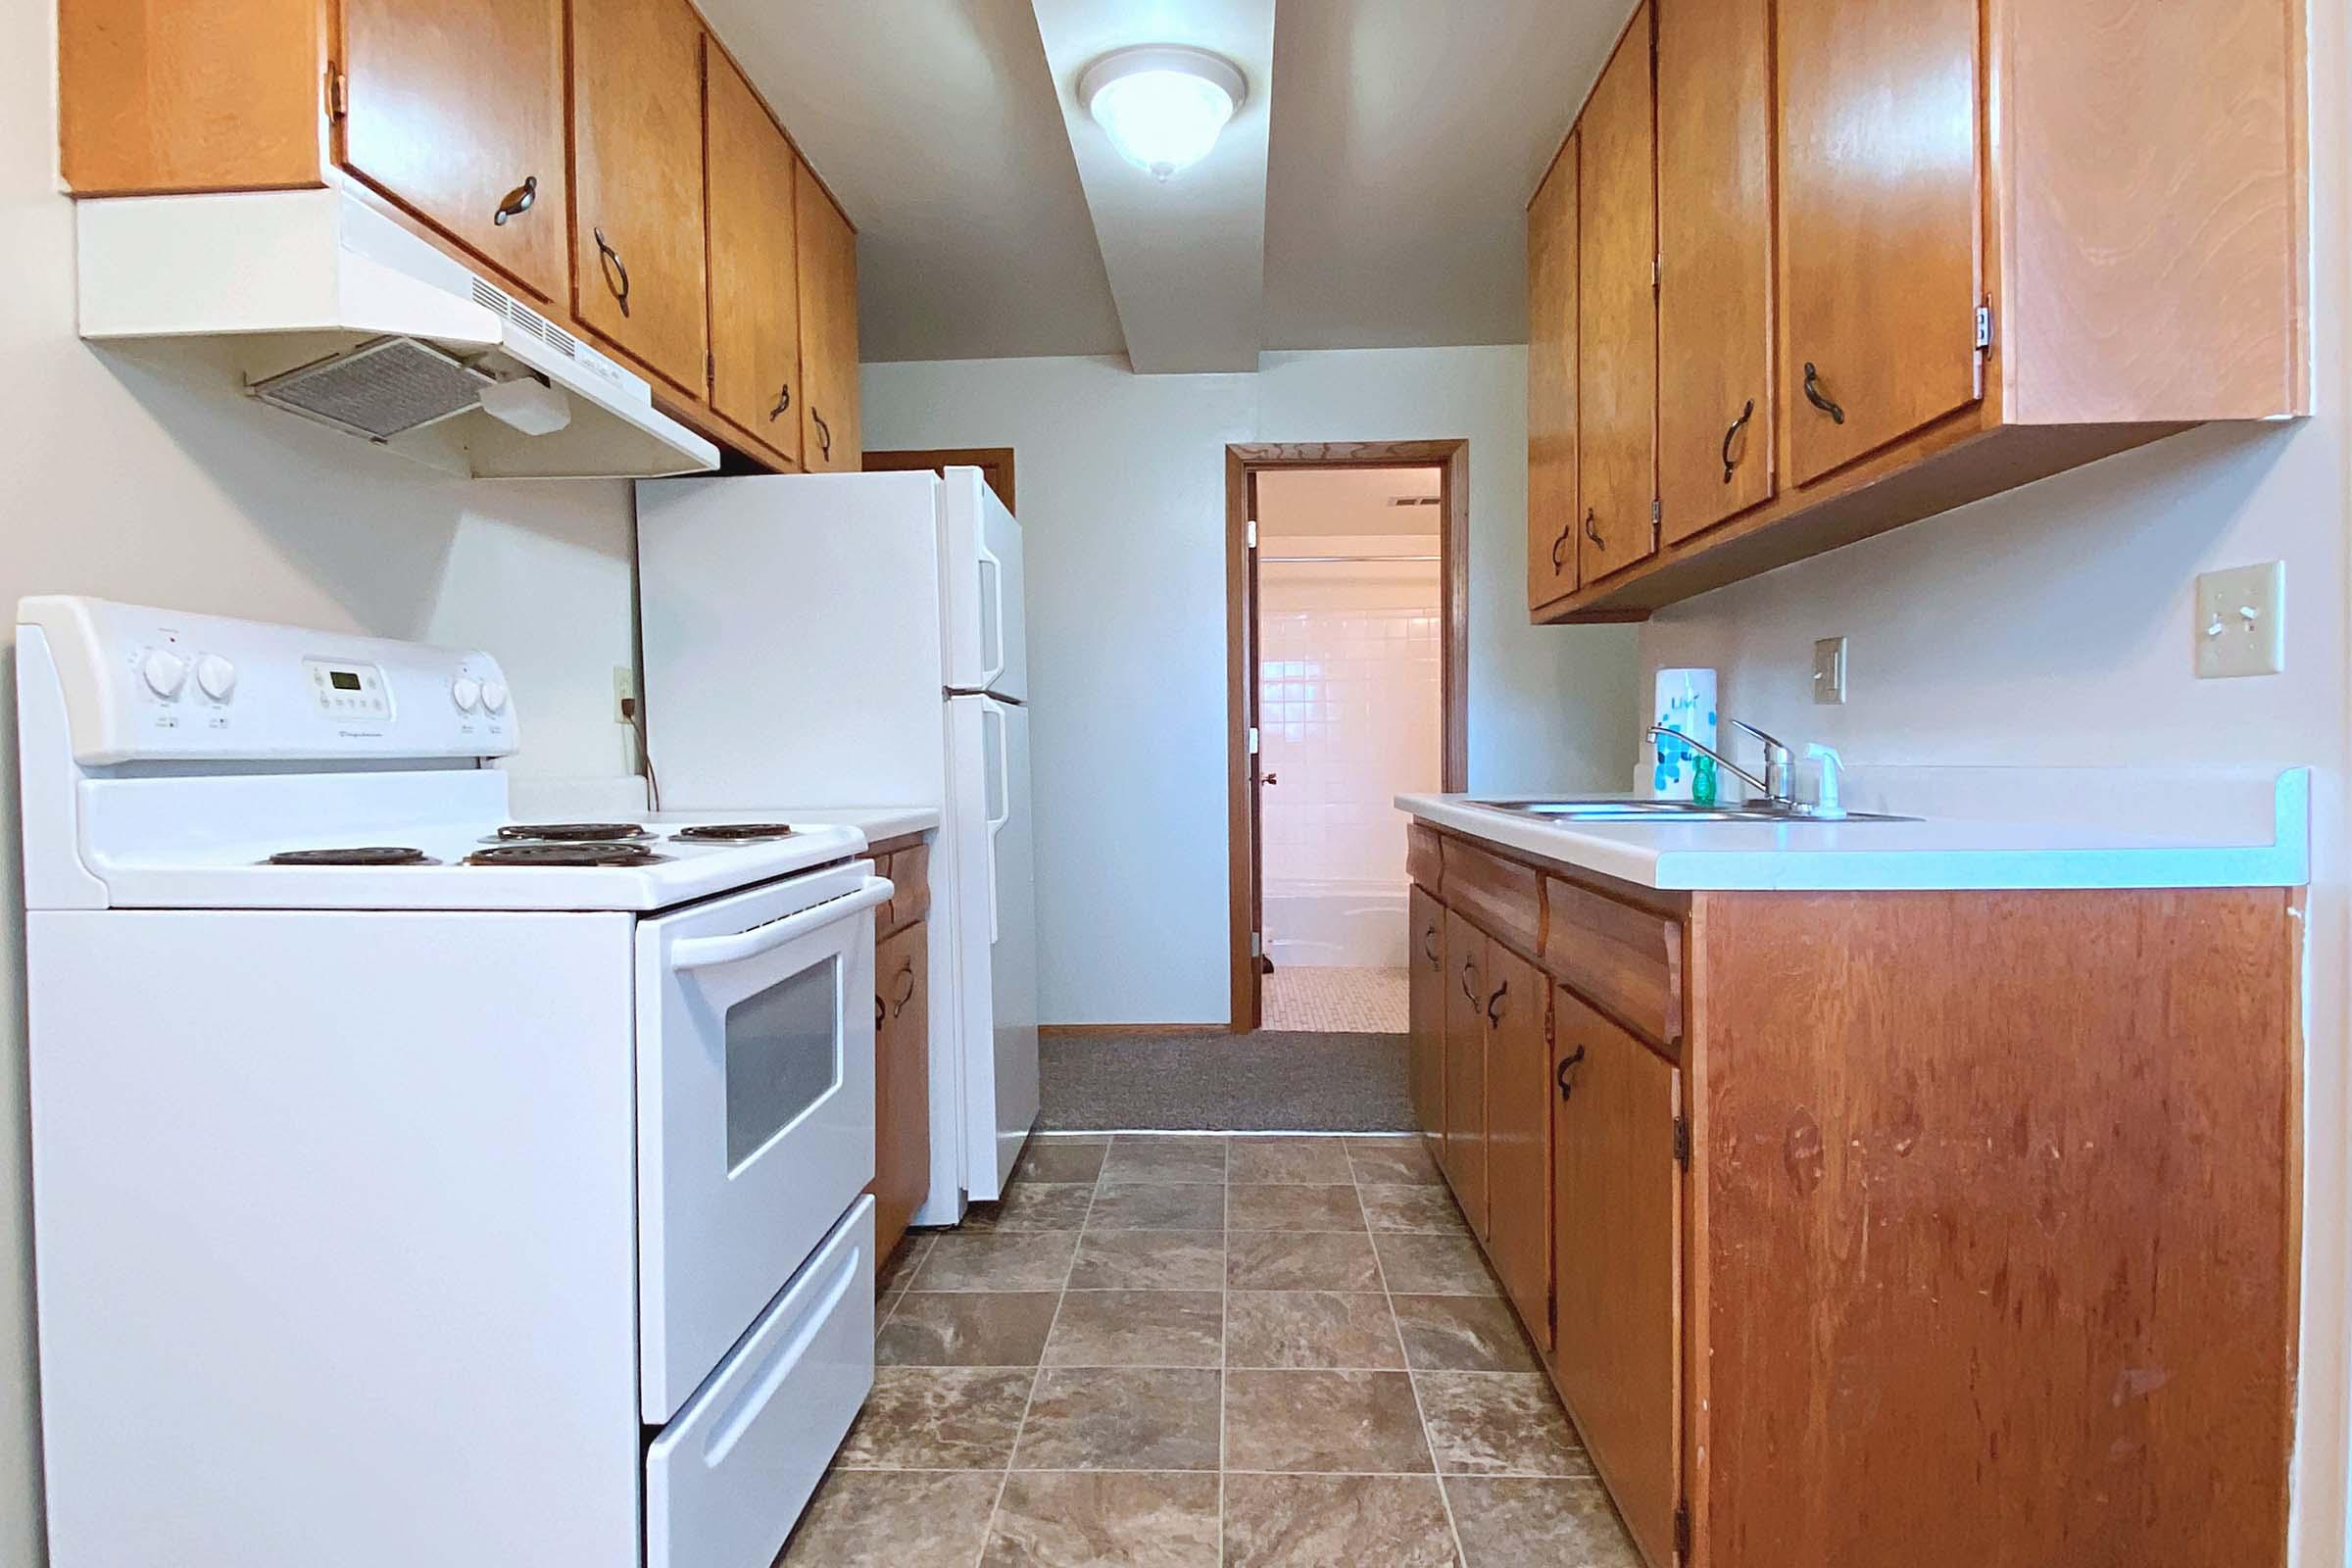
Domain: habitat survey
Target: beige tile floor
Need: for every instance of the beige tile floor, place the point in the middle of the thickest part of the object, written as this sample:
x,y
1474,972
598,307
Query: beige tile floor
x,y
1195,1351
1376,1002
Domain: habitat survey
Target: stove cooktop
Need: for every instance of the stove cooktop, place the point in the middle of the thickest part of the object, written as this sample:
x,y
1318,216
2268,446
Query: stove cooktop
x,y
566,853
364,854
574,833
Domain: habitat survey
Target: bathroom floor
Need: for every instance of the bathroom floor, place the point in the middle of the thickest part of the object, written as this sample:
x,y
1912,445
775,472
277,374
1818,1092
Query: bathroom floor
x,y
1338,1001
1196,1351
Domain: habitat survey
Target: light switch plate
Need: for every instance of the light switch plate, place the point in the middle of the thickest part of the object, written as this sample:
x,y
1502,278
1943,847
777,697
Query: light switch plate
x,y
1829,671
2242,621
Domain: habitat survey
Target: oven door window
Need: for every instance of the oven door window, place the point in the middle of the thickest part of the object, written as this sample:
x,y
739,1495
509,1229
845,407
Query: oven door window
x,y
783,1057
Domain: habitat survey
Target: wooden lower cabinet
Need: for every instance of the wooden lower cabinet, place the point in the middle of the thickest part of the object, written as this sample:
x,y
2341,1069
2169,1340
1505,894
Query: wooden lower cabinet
x,y
1936,1228
902,1081
1464,1157
1426,1041
1617,1249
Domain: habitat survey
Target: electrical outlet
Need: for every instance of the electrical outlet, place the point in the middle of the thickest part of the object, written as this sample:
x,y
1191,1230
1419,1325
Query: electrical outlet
x,y
2242,621
624,694
1829,671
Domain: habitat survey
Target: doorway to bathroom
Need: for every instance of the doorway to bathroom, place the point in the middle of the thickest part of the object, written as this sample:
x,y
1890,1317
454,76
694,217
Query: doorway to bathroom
x,y
1349,657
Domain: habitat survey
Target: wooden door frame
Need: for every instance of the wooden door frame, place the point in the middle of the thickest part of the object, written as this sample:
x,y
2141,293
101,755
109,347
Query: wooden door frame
x,y
994,463
1451,460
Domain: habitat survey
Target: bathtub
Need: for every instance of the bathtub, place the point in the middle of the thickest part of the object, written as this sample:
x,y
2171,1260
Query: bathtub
x,y
1336,924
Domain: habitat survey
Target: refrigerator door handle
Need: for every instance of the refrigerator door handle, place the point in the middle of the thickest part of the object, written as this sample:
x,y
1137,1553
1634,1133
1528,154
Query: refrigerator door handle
x,y
997,819
994,569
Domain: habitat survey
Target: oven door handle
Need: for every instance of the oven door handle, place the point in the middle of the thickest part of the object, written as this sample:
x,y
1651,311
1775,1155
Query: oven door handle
x,y
701,952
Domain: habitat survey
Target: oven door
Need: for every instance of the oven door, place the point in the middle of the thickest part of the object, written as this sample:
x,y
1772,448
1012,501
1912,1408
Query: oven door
x,y
755,1107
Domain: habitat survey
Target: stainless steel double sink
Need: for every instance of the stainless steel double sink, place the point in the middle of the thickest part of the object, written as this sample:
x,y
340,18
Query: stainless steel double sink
x,y
1607,809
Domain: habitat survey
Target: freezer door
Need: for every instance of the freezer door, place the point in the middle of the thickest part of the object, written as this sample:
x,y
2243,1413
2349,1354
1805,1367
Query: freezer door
x,y
987,641
989,822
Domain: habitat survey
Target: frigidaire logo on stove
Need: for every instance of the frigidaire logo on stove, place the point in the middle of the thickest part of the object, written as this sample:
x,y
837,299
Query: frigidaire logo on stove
x,y
359,734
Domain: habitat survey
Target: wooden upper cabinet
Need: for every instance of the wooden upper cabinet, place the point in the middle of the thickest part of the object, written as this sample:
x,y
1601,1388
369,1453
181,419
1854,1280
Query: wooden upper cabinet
x,y
1519,1095
637,160
1464,1152
1617,1259
1879,203
189,95
454,111
1715,388
754,263
828,246
1551,514
1617,338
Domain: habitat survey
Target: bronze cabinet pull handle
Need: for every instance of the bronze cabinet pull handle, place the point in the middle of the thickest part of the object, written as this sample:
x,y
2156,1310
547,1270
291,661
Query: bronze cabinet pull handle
x,y
1561,1074
783,402
1429,944
518,201
608,260
825,433
1494,1002
877,1010
905,995
1731,435
1590,531
1469,969
1560,547
1820,398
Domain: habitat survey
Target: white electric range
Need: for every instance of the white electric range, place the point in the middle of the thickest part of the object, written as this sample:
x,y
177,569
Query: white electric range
x,y
411,1185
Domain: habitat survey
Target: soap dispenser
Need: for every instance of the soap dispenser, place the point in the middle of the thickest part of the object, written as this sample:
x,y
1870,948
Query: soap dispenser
x,y
1830,805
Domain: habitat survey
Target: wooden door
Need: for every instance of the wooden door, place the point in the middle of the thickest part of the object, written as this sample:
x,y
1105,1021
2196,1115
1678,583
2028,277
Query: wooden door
x,y
456,112
902,1081
637,196
1715,401
829,435
1519,1134
1617,322
755,262
1617,1247
1427,1039
1551,515
1880,251
1466,1149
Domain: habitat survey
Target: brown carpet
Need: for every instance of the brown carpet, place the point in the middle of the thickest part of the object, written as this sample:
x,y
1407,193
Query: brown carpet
x,y
1289,1081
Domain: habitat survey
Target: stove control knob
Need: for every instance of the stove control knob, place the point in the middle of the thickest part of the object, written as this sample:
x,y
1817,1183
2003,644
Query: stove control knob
x,y
494,696
165,672
466,693
216,676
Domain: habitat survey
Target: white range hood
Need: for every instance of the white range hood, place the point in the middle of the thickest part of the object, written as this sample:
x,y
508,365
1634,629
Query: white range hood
x,y
328,309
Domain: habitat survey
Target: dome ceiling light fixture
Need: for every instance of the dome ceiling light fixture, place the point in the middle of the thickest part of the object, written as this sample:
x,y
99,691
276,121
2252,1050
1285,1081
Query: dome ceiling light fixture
x,y
1162,105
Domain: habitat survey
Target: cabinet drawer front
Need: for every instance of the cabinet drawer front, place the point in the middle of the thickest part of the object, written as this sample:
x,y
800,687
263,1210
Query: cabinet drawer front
x,y
1501,896
1424,860
1627,960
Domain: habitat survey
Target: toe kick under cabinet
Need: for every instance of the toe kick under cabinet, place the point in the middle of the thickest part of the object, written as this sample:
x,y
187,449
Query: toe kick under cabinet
x,y
1940,1228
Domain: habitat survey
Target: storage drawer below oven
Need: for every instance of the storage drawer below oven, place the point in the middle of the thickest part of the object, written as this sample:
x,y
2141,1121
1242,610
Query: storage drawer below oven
x,y
727,1478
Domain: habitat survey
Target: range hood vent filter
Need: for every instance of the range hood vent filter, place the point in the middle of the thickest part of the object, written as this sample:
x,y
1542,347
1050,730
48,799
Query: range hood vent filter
x,y
380,389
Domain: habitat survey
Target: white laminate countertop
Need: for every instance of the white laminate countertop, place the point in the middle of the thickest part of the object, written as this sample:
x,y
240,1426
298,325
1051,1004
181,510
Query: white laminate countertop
x,y
1980,828
879,823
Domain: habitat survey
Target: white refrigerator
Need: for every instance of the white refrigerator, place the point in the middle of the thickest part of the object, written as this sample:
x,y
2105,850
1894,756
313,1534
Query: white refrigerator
x,y
856,639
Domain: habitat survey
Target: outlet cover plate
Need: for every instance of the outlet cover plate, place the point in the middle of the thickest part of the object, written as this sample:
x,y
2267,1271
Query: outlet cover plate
x,y
624,694
2240,624
1829,671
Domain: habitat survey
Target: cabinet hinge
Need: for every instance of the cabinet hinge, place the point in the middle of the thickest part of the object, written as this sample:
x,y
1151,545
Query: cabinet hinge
x,y
1552,1311
1253,740
1983,328
1682,1142
1657,520
1657,272
339,93
1258,944
709,367
1252,538
1681,1531
1551,1033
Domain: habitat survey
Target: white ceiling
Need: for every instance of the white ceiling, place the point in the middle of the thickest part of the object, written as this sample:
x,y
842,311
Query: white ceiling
x,y
1404,139
1296,503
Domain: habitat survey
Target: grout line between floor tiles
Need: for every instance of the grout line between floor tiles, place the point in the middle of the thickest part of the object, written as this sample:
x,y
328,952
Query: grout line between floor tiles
x,y
1453,1528
1021,1428
1224,1354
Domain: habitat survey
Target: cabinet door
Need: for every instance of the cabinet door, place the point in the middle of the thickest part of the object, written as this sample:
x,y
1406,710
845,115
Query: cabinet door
x,y
902,1081
1551,515
1715,403
754,263
637,198
1617,1247
457,113
1427,1040
1617,315
1519,1134
1878,222
1465,1151
829,437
